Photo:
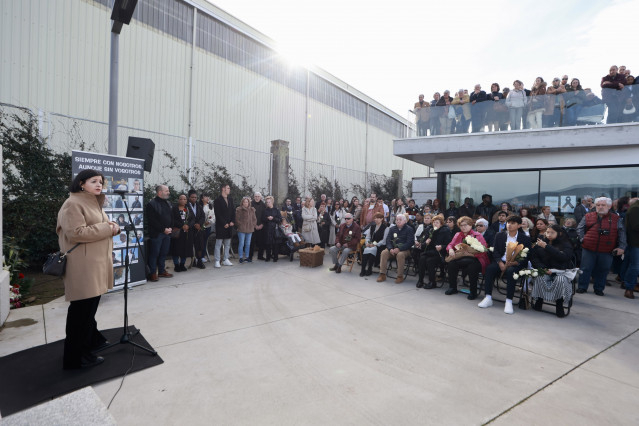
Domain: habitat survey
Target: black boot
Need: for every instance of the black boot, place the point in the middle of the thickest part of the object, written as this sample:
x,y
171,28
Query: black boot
x,y
560,308
364,262
370,261
539,302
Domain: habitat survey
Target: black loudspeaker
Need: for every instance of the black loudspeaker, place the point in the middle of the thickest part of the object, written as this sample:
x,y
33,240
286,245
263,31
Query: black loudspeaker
x,y
143,149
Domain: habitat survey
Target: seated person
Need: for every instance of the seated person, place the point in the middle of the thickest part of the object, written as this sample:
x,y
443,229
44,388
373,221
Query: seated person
x,y
546,214
552,251
482,227
570,226
504,207
401,238
287,228
526,225
375,242
539,230
469,266
421,234
451,222
500,225
434,252
346,241
411,211
499,267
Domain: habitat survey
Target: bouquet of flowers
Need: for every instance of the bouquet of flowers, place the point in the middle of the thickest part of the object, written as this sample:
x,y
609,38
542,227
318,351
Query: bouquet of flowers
x,y
469,247
515,252
534,273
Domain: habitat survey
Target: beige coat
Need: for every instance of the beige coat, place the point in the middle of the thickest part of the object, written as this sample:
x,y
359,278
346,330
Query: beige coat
x,y
89,270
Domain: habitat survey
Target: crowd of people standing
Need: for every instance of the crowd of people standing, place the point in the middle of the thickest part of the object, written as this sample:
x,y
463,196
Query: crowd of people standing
x,y
556,103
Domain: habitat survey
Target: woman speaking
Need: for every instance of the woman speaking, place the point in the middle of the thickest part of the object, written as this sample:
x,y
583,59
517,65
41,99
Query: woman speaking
x,y
89,270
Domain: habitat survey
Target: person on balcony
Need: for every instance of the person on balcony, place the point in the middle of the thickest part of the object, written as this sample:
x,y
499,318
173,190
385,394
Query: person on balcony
x,y
575,98
554,104
478,108
516,102
462,109
497,111
422,113
537,104
611,93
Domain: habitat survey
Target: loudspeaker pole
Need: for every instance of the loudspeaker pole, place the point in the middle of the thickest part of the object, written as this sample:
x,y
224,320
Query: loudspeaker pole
x,y
121,15
113,94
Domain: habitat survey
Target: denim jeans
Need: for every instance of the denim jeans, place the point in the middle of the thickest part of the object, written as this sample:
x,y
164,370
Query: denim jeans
x,y
158,249
515,118
245,244
218,248
630,277
596,265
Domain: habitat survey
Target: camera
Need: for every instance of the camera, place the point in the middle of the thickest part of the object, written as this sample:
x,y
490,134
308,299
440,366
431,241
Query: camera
x,y
604,232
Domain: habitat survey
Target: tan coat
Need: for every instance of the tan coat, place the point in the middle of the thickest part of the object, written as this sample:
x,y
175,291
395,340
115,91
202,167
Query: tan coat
x,y
89,270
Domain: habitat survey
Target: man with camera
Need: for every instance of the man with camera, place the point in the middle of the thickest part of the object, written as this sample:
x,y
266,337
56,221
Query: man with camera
x,y
602,236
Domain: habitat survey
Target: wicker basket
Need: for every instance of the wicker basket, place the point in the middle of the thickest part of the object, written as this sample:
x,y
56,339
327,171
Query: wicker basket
x,y
311,258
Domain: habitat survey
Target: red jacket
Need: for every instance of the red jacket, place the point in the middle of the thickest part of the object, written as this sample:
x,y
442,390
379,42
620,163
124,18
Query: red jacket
x,y
482,257
596,242
343,234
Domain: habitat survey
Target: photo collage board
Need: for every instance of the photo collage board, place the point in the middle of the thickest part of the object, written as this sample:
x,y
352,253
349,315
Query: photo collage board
x,y
123,186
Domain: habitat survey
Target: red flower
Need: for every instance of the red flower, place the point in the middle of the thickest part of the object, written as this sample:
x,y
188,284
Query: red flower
x,y
20,276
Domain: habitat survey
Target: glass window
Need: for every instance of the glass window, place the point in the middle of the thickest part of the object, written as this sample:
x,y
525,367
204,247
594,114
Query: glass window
x,y
563,189
516,188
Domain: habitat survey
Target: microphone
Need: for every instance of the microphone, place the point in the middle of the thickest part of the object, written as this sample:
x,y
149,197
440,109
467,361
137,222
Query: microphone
x,y
120,192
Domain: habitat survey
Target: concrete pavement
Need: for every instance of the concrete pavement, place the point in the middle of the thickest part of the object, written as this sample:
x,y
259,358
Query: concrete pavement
x,y
266,343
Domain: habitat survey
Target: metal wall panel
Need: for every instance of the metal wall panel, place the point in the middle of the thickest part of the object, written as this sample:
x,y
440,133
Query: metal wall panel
x,y
55,57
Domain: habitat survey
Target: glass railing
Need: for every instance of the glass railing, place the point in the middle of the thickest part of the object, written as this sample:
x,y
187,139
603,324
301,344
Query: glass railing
x,y
458,115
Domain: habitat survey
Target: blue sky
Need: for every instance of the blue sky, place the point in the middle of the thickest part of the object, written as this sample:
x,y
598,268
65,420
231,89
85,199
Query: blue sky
x,y
394,50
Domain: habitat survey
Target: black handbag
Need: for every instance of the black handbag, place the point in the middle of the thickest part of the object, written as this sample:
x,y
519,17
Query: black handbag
x,y
279,234
56,263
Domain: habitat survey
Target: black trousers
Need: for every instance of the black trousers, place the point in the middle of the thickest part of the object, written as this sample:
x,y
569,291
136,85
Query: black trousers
x,y
272,251
469,266
493,272
429,262
258,241
198,242
82,331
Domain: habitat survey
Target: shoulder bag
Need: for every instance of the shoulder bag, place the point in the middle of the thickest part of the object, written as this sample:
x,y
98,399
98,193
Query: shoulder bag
x,y
56,263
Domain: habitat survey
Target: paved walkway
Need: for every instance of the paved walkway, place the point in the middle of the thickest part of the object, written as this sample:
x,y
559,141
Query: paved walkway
x,y
283,345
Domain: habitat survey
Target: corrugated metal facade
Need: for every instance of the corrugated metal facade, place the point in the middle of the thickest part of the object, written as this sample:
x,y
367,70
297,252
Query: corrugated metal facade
x,y
55,58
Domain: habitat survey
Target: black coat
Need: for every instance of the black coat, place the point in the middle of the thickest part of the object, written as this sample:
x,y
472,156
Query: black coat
x,y
224,214
158,216
324,230
441,237
555,256
489,236
500,245
183,245
270,225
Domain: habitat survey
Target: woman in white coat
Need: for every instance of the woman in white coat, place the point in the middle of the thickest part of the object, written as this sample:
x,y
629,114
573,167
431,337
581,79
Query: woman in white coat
x,y
309,222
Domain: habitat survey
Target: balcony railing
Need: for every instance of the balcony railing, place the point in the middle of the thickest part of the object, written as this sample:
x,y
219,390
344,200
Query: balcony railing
x,y
457,115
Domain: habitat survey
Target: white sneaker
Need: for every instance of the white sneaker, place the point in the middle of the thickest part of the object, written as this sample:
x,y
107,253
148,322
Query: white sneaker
x,y
227,262
204,260
217,264
508,309
486,303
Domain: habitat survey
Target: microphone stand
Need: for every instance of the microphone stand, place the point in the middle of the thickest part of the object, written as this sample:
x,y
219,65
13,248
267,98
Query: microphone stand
x,y
126,334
